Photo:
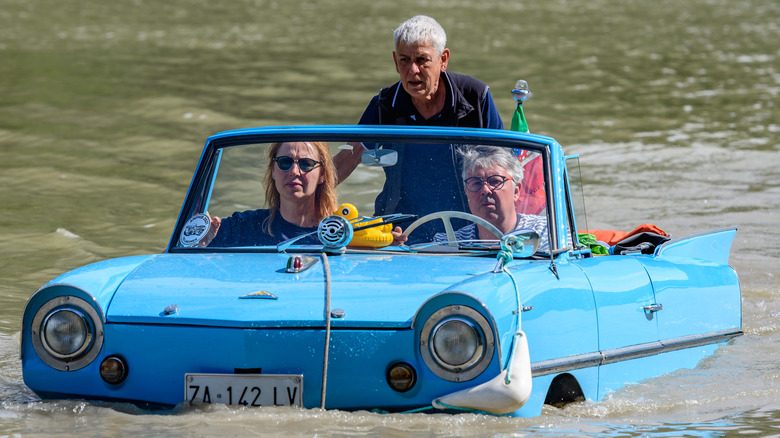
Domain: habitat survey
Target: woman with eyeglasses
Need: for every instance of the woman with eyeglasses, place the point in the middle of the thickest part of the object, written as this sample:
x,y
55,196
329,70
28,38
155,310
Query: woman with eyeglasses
x,y
300,190
492,177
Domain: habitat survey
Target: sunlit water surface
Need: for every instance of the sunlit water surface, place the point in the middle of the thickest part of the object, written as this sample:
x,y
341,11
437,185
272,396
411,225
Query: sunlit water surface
x,y
104,107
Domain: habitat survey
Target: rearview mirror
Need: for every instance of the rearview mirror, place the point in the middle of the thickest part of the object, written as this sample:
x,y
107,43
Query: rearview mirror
x,y
379,157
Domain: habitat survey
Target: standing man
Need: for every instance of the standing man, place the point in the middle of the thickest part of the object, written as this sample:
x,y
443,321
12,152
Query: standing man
x,y
427,176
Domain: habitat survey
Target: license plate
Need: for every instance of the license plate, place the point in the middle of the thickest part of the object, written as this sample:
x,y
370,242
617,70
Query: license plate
x,y
244,389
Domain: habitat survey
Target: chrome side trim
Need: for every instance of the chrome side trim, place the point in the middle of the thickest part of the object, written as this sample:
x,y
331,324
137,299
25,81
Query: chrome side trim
x,y
554,366
586,360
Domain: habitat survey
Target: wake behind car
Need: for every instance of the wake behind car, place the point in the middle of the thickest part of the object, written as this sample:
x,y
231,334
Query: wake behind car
x,y
349,313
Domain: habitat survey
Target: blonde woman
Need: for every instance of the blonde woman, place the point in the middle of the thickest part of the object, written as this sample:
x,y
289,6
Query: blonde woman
x,y
300,191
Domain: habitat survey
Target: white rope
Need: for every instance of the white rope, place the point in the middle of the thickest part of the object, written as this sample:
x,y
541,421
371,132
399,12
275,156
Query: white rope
x,y
326,268
518,333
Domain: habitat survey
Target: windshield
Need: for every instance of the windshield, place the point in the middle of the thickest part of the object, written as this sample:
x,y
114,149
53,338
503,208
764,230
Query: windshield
x,y
396,195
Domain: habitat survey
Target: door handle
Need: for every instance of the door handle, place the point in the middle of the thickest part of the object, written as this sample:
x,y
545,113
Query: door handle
x,y
653,307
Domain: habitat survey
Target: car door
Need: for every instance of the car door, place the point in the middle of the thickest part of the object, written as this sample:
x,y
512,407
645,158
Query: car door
x,y
624,299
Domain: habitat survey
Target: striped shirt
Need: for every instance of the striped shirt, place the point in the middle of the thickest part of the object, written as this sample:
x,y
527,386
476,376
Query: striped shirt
x,y
527,221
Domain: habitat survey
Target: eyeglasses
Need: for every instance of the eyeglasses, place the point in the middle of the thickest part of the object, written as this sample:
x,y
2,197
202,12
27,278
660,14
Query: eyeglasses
x,y
305,164
495,182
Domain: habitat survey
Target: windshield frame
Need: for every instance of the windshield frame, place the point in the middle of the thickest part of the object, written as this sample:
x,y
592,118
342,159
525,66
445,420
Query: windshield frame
x,y
203,180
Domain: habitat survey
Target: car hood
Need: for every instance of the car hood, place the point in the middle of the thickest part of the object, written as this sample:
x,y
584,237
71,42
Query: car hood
x,y
253,289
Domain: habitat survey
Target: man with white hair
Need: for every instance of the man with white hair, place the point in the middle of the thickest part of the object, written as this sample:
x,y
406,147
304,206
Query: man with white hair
x,y
426,94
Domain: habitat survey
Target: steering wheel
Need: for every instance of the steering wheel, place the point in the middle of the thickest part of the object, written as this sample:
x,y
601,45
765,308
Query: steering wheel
x,y
446,217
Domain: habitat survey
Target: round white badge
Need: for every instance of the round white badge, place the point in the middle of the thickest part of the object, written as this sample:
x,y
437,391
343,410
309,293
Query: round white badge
x,y
194,230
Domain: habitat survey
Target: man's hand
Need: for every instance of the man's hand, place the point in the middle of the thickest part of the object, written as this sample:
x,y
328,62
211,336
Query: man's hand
x,y
398,236
347,160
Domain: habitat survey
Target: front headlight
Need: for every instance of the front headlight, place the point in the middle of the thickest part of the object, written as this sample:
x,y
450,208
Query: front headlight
x,y
67,333
457,343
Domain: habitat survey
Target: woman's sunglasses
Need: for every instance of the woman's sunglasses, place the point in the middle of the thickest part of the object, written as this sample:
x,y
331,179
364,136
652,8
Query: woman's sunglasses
x,y
305,164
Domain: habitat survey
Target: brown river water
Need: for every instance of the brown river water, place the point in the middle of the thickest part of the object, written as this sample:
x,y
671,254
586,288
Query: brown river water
x,y
672,106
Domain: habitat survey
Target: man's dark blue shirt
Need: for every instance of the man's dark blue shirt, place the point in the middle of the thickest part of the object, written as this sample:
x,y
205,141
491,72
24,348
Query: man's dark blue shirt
x,y
427,177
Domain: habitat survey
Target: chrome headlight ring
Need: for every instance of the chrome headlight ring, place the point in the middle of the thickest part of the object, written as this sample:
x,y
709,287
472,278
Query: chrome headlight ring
x,y
457,343
67,333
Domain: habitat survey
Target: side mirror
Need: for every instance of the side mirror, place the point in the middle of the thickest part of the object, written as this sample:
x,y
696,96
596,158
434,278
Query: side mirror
x,y
523,243
379,157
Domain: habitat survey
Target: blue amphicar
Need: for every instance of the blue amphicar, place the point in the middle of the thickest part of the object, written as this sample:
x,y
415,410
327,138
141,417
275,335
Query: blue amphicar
x,y
472,285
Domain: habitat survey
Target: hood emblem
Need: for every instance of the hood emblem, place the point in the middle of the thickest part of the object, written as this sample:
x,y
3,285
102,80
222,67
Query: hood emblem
x,y
259,295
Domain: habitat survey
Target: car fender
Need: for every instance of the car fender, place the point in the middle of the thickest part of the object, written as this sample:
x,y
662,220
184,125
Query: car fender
x,y
95,283
712,246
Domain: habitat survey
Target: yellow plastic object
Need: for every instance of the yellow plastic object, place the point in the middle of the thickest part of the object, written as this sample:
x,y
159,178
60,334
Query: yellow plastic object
x,y
374,237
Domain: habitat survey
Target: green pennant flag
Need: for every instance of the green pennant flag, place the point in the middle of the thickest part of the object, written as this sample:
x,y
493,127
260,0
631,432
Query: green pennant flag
x,y
518,120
